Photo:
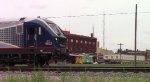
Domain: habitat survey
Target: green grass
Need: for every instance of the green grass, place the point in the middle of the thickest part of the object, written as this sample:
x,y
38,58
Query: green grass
x,y
101,65
81,77
39,77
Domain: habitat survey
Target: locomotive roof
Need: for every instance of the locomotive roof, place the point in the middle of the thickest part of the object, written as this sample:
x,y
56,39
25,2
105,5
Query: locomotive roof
x,y
54,28
9,23
50,26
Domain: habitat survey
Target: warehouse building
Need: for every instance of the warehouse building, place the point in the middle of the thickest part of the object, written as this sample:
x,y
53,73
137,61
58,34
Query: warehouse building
x,y
79,44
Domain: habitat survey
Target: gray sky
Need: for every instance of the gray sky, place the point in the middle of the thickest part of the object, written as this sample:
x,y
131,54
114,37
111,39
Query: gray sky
x,y
119,28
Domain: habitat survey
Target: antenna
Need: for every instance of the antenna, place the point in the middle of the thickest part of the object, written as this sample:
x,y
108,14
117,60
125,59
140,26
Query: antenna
x,y
69,23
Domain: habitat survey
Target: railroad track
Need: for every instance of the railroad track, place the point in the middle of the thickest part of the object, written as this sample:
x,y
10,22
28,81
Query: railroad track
x,y
79,69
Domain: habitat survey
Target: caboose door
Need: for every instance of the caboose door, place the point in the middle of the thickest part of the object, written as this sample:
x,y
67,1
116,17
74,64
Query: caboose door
x,y
31,35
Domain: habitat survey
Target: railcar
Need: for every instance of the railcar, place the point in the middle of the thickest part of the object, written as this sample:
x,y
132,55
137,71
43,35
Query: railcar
x,y
31,41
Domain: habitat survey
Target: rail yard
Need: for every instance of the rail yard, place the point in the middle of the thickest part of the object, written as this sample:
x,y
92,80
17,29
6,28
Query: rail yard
x,y
36,49
32,48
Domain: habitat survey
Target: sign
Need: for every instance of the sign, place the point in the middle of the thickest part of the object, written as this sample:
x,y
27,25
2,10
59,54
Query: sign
x,y
48,42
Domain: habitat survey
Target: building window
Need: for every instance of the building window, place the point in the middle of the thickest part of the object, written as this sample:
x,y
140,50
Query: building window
x,y
116,57
71,40
76,41
81,41
111,57
89,42
93,42
80,49
106,57
85,42
19,29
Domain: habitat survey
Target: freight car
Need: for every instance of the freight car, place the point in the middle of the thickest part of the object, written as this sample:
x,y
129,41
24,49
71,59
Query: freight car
x,y
33,41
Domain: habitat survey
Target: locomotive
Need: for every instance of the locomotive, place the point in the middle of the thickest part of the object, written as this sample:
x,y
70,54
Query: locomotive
x,y
32,41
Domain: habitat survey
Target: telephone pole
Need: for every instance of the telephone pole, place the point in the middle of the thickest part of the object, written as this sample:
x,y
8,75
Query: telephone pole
x,y
135,33
120,50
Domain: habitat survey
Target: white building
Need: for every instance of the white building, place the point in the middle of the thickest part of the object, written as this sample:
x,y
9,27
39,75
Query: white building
x,y
125,58
110,57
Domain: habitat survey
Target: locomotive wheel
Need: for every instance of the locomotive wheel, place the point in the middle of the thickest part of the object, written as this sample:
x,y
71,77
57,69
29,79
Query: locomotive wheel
x,y
38,61
11,64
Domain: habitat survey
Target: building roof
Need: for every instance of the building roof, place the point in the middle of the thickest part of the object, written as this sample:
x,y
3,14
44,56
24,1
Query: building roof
x,y
67,33
127,51
105,51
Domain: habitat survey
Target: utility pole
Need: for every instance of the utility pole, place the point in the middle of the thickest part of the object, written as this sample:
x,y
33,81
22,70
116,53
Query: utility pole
x,y
135,33
104,30
120,50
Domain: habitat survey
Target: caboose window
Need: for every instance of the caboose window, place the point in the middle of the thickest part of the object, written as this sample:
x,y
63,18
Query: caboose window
x,y
20,29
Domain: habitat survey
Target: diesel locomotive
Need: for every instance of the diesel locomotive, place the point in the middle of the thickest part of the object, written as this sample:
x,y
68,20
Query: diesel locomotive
x,y
31,41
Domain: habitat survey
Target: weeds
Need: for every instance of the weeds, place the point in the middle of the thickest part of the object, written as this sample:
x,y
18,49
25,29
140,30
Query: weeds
x,y
75,77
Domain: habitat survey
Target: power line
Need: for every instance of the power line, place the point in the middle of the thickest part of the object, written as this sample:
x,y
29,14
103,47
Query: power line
x,y
90,15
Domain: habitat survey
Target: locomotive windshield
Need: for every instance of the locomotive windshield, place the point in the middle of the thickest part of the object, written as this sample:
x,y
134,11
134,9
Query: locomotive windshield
x,y
61,38
55,28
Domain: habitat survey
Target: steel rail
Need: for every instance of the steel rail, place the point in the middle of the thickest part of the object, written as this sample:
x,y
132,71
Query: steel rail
x,y
79,69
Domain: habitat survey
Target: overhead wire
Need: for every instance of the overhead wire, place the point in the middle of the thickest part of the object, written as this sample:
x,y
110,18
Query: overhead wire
x,y
90,15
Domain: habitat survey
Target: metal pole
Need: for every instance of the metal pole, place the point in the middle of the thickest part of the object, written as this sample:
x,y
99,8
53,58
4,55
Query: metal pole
x,y
104,30
120,51
135,33
93,30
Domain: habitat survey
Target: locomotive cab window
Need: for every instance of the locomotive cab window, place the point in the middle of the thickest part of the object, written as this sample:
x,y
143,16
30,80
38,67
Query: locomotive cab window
x,y
19,29
40,30
31,31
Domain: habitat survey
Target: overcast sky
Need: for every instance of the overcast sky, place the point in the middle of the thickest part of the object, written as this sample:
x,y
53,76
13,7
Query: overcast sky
x,y
118,28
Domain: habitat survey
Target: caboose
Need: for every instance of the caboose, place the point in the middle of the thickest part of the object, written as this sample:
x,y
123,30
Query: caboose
x,y
31,41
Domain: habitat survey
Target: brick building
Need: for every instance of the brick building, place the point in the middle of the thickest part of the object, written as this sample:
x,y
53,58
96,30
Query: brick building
x,y
81,44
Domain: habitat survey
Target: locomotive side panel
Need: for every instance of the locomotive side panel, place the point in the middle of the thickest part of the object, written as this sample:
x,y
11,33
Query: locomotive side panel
x,y
11,36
